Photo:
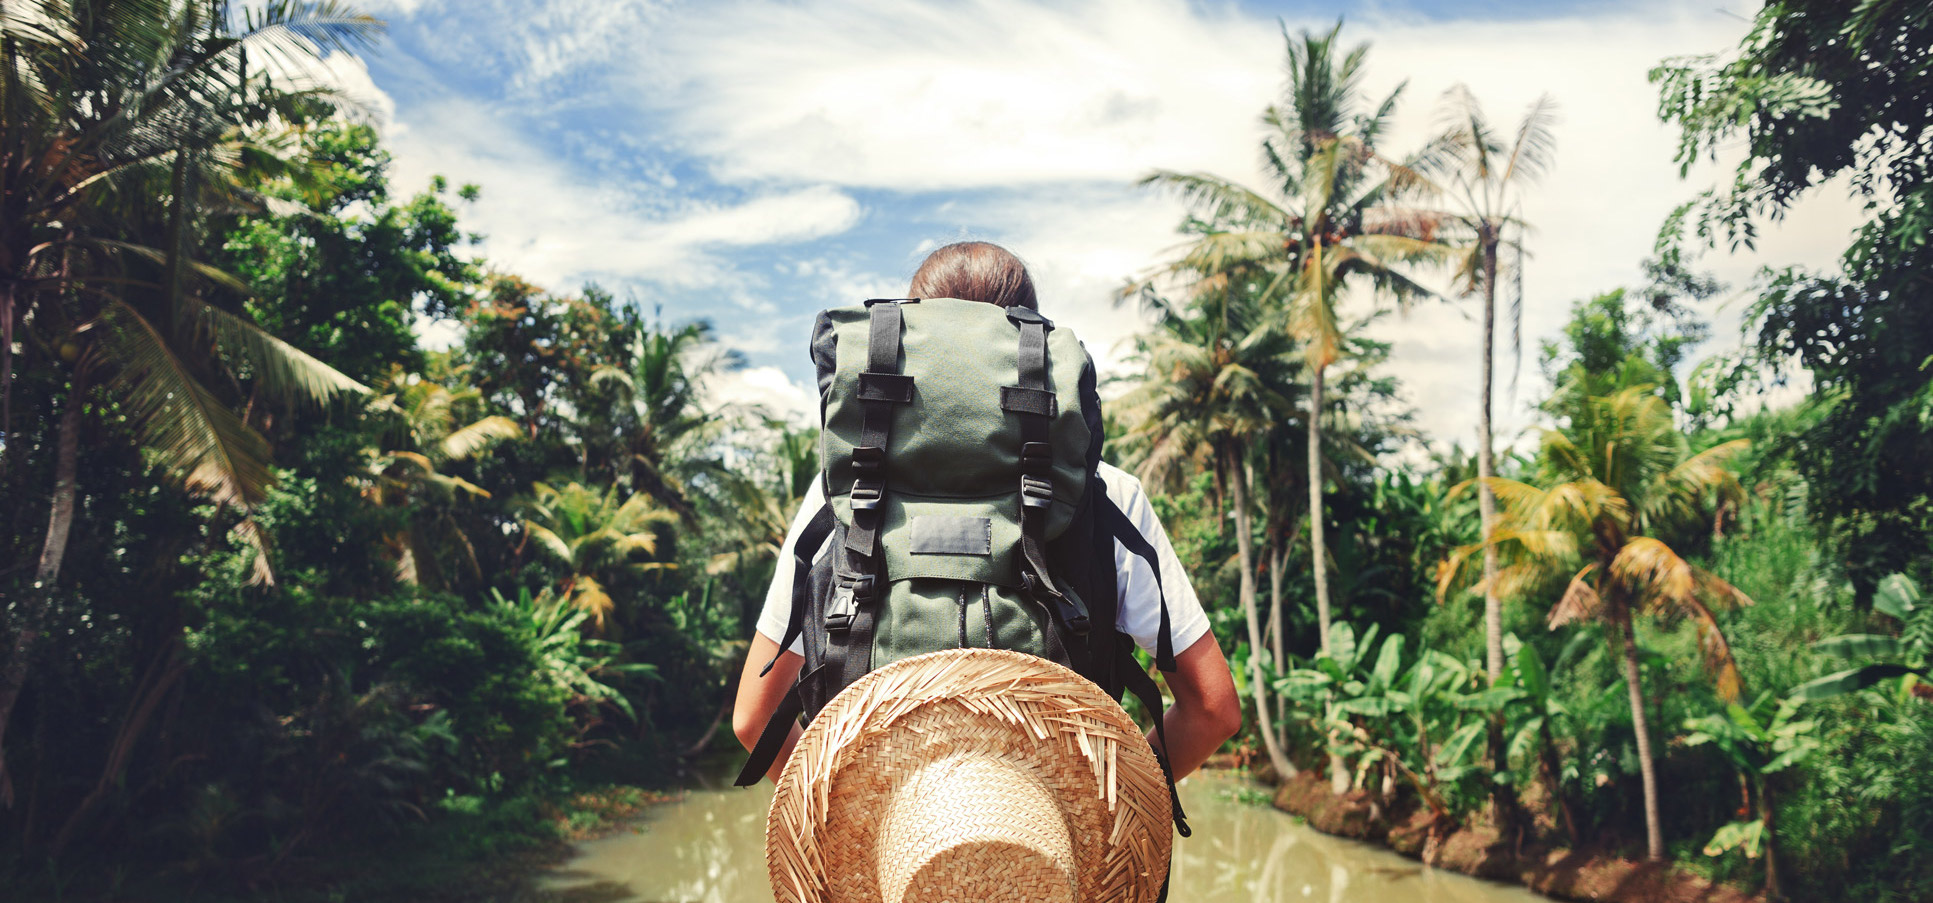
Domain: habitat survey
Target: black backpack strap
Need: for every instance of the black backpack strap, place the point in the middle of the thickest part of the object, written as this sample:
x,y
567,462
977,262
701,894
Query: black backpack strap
x,y
881,386
858,578
1036,407
1124,530
804,549
1142,686
770,740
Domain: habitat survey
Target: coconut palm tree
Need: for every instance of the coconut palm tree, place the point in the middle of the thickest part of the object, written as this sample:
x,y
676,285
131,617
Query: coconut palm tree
x,y
1333,219
425,435
1481,175
121,124
1615,478
660,413
1221,376
594,533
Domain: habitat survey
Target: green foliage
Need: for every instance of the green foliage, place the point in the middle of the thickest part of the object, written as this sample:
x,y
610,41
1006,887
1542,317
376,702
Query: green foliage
x,y
1900,598
1820,91
1419,718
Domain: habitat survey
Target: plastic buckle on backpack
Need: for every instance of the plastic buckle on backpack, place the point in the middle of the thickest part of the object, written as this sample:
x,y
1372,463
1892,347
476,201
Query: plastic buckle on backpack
x,y
867,493
868,460
847,601
1036,492
1036,457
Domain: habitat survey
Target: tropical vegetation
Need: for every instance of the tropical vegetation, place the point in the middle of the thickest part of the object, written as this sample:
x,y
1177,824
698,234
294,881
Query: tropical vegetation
x,y
289,588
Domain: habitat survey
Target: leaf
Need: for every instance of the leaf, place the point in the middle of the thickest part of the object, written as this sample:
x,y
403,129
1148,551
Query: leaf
x,y
1453,750
477,436
1371,706
283,370
1898,596
1851,680
1491,700
1526,739
1580,602
1530,667
1739,834
1862,646
548,541
196,438
1389,660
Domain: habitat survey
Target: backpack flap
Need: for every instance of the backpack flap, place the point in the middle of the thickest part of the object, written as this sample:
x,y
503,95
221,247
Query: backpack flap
x,y
951,438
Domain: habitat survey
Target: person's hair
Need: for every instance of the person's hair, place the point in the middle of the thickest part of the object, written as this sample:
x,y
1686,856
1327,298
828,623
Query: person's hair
x,y
975,271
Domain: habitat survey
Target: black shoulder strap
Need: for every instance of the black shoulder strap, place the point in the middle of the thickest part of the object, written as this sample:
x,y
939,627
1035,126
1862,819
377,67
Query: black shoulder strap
x,y
1142,686
1036,406
858,580
881,386
804,549
1129,535
770,740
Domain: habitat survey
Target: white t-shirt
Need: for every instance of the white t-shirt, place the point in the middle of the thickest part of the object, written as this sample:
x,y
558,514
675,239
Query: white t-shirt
x,y
1140,601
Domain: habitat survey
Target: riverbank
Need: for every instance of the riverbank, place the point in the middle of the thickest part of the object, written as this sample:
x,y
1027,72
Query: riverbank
x,y
1479,852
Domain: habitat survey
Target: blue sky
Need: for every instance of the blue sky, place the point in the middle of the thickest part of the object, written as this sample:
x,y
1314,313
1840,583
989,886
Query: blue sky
x,y
752,161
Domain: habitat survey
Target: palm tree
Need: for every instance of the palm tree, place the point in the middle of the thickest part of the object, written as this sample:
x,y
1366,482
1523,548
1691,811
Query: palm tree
x,y
1334,219
1485,173
425,435
1619,474
594,534
662,412
120,124
1221,374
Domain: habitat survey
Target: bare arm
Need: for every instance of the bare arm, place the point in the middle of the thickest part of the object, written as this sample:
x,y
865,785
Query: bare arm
x,y
1206,710
759,697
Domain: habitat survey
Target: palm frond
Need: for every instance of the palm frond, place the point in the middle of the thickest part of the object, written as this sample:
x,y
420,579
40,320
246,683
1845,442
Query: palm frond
x,y
469,440
282,369
194,436
1223,202
1580,601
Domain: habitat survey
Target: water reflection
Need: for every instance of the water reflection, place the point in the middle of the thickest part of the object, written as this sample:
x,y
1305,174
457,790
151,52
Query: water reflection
x,y
710,848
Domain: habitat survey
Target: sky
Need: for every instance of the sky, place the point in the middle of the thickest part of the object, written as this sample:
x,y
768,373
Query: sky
x,y
751,162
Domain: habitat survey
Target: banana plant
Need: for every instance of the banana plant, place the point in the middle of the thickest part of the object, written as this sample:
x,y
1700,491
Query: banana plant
x,y
569,660
1411,719
1761,740
1532,713
1911,651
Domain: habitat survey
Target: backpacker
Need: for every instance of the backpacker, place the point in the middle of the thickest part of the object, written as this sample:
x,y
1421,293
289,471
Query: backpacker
x,y
959,451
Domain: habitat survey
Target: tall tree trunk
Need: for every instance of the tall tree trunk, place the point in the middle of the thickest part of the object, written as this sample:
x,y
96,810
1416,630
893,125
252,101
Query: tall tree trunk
x,y
1487,467
1770,840
33,608
1318,550
1278,625
6,372
1503,796
1245,554
1654,839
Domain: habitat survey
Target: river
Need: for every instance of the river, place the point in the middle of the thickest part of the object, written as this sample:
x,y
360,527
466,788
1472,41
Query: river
x,y
709,848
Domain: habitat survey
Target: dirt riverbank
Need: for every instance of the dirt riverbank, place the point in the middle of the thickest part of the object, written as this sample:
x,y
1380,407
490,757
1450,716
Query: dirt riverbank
x,y
1556,872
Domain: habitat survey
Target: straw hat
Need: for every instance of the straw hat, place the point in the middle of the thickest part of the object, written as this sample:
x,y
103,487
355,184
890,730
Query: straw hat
x,y
976,775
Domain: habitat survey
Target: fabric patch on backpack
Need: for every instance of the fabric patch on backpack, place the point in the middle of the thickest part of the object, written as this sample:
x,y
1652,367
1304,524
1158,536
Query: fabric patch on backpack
x,y
934,534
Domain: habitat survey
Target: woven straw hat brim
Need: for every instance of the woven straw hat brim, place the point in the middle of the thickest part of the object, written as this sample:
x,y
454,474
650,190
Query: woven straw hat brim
x,y
970,774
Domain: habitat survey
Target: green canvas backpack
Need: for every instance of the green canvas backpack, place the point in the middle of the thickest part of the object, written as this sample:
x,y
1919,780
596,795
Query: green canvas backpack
x,y
959,454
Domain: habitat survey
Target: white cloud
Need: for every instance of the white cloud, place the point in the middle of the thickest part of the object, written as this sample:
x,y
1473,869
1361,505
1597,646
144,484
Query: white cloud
x,y
558,225
766,388
877,94
1025,123
926,95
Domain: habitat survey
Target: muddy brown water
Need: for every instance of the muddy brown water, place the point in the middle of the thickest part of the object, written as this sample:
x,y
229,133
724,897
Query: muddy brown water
x,y
709,847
